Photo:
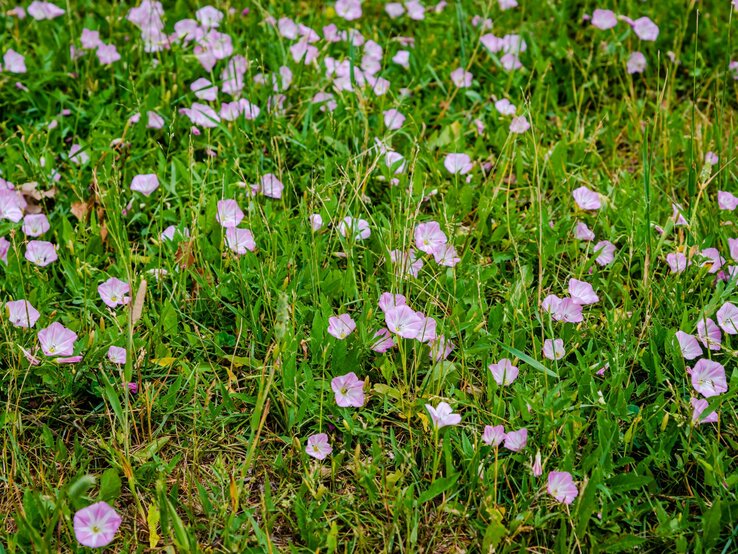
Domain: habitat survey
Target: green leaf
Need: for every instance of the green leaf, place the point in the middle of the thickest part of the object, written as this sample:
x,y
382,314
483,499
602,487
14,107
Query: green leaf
x,y
528,360
437,487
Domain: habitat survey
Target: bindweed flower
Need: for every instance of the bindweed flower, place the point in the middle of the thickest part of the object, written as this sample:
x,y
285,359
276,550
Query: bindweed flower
x,y
270,186
357,228
40,253
493,436
505,107
349,390
563,309
113,292
171,232
348,9
605,251
727,200
503,372
461,78
636,63
709,334
146,183
586,199
316,222
582,293
35,225
677,262
44,10
117,355
427,329
727,318
382,341
387,301
708,378
688,345
96,525
458,164
714,260
240,241
318,446
4,249
21,313
645,29
341,326
561,486
57,340
582,232
537,467
403,321
154,120
699,405
428,237
229,214
516,440
604,19
519,125
440,348
393,119
553,349
443,415
13,62
445,255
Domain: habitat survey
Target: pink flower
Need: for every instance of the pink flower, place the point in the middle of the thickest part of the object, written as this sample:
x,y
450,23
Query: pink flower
x,y
209,16
727,200
461,78
586,199
107,54
326,101
582,232
341,326
733,247
505,107
394,162
689,346
458,164
77,155
35,225
132,387
145,183
582,293
12,205
90,39
428,328
402,58
318,446
567,310
519,125
271,187
537,468
4,249
493,436
677,262
355,227
113,292
516,440
403,321
553,349
727,318
604,19
44,10
21,313
428,237
605,251
117,355
229,213
316,222
645,29
711,158
387,301
57,340
382,341
240,240
304,52
708,378
678,215
503,372
202,115
636,63
170,232
204,89
699,405
349,390
445,255
440,348
40,253
393,119
348,9
714,259
443,415
561,486
709,334
96,525
14,62
507,4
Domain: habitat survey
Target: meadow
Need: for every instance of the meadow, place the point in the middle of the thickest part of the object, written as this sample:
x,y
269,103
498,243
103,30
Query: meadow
x,y
368,276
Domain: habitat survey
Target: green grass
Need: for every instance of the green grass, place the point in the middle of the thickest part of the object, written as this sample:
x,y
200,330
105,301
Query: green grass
x,y
232,354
